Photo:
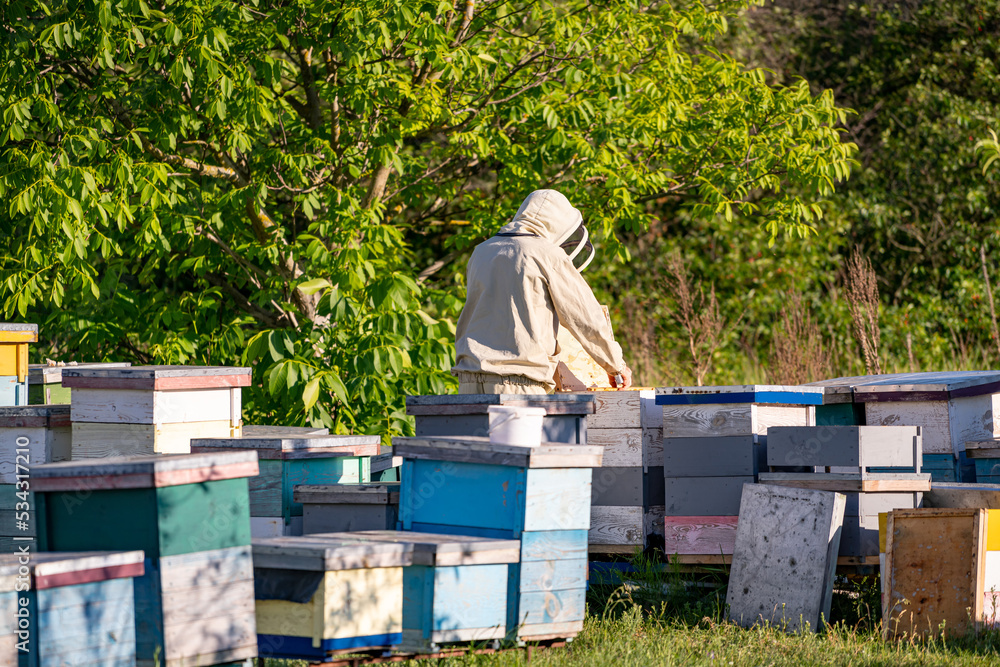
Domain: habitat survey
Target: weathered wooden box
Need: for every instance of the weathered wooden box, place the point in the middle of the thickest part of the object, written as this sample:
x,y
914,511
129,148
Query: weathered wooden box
x,y
189,513
80,608
29,436
857,447
468,486
338,508
152,409
38,433
196,609
456,590
468,414
289,461
951,407
378,589
45,385
172,504
933,578
316,595
627,505
714,442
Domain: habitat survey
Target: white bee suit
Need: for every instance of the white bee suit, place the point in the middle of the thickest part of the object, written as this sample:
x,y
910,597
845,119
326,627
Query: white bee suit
x,y
521,287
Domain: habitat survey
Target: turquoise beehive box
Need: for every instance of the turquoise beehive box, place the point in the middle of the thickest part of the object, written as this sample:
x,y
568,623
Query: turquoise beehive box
x,y
538,495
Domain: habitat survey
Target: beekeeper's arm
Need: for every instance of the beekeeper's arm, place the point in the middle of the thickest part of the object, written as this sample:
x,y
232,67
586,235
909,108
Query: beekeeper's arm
x,y
578,310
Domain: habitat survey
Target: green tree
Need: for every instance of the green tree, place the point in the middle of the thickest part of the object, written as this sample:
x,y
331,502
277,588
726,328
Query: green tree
x,y
294,184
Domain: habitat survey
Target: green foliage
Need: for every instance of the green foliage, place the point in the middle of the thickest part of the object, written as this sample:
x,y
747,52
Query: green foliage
x,y
216,183
924,83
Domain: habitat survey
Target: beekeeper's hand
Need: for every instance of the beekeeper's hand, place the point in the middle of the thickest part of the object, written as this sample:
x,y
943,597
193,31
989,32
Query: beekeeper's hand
x,y
626,377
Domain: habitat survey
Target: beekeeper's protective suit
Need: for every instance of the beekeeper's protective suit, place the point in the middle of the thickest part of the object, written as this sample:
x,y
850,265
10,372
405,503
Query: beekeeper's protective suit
x,y
522,285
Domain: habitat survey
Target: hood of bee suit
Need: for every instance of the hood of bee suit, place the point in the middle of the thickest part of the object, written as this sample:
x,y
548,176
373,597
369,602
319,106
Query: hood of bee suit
x,y
545,213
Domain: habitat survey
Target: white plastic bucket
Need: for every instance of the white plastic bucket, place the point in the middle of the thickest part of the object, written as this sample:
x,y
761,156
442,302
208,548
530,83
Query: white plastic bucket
x,y
515,425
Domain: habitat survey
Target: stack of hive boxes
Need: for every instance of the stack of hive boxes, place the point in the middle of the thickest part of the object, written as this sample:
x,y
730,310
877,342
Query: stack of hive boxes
x,y
80,608
30,435
627,505
951,407
376,589
289,461
714,442
45,385
152,409
14,340
189,514
853,451
538,495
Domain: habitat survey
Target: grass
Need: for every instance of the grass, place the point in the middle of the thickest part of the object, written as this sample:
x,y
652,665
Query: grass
x,y
658,617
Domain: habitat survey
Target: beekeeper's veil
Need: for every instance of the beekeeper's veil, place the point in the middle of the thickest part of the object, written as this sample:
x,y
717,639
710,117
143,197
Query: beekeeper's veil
x,y
548,214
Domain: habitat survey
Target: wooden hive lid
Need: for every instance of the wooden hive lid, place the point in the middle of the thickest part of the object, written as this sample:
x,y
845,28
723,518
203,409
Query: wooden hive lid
x,y
383,493
940,386
328,552
468,449
445,550
294,447
257,431
18,332
983,449
72,568
156,378
139,472
385,460
957,495
747,393
35,416
478,404
46,374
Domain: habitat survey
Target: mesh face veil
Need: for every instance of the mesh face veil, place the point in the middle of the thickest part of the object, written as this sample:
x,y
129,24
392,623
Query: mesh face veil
x,y
579,248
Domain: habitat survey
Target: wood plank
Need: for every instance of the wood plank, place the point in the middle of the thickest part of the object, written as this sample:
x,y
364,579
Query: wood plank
x,y
143,471
616,525
43,445
97,440
618,409
554,544
214,635
934,572
355,494
547,631
623,448
258,430
39,374
953,494
557,499
287,447
444,550
768,416
686,421
565,606
468,597
553,575
851,482
971,418
699,535
931,416
133,406
34,416
481,450
785,557
154,378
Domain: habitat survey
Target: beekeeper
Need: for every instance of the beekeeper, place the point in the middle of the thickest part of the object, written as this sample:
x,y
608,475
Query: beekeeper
x,y
523,284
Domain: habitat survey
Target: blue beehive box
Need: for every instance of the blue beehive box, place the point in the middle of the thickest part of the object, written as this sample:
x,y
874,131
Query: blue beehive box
x,y
80,608
540,495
